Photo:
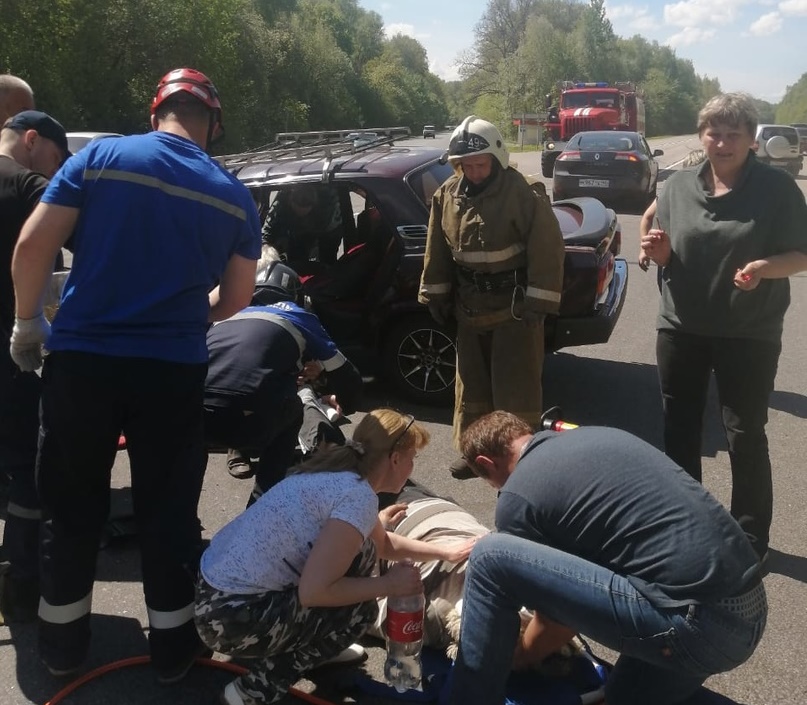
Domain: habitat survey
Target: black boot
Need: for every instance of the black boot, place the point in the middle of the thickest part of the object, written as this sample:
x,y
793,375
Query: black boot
x,y
460,470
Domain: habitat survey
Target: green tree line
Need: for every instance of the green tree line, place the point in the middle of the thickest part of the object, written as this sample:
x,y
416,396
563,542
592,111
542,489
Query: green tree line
x,y
279,65
524,47
295,65
793,107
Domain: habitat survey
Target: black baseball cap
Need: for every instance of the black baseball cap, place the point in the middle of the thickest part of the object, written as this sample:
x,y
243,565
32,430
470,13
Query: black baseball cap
x,y
44,125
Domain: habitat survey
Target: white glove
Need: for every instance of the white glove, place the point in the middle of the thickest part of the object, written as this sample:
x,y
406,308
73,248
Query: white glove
x,y
27,339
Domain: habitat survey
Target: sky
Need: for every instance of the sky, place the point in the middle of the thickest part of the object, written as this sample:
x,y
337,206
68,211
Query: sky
x,y
757,46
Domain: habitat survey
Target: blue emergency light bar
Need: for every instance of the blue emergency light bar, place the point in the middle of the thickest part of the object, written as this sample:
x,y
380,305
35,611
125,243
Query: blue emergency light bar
x,y
598,84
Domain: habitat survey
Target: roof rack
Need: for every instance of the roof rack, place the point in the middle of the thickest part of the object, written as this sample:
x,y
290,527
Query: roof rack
x,y
325,145
340,135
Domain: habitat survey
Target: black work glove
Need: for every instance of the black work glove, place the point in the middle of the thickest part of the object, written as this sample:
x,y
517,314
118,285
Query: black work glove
x,y
441,311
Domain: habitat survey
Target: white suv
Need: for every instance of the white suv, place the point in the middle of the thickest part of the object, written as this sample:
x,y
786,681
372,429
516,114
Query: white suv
x,y
778,145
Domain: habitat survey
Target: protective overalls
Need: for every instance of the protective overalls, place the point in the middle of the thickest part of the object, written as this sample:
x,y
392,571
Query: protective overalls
x,y
495,255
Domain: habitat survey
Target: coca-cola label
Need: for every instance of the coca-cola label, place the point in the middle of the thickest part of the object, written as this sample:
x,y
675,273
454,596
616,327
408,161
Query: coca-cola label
x,y
404,626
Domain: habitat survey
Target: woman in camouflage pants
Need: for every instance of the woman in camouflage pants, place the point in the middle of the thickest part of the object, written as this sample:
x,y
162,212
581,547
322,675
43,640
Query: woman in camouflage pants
x,y
299,638
290,582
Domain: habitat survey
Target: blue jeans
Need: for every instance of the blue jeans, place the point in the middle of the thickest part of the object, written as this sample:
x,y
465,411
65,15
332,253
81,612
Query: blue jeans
x,y
665,654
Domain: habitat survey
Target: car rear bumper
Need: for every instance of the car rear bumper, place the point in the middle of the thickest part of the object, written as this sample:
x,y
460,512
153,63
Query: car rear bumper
x,y
790,164
597,327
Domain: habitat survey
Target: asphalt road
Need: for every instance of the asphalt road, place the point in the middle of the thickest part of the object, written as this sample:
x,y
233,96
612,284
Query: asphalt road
x,y
612,384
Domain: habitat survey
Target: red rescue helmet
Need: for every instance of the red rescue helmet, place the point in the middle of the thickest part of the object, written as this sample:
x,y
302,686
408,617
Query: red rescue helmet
x,y
189,81
186,84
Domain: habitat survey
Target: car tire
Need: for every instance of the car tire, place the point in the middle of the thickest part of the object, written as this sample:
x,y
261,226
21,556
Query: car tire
x,y
419,359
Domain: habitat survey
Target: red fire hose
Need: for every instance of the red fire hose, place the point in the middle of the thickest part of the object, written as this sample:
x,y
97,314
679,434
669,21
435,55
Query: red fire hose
x,y
141,660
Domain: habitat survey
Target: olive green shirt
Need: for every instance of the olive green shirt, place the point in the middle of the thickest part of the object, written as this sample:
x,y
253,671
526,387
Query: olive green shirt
x,y
712,237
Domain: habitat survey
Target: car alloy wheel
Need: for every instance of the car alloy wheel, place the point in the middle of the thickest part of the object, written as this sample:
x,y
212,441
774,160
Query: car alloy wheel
x,y
420,360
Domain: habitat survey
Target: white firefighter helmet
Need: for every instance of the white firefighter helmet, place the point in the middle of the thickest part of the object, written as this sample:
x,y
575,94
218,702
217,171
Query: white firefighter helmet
x,y
477,136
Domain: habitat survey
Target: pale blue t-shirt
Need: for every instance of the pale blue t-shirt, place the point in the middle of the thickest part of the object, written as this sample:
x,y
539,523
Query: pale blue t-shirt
x,y
265,548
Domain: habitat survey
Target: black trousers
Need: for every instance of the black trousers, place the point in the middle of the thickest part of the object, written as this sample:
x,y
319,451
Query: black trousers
x,y
745,371
87,400
269,434
19,432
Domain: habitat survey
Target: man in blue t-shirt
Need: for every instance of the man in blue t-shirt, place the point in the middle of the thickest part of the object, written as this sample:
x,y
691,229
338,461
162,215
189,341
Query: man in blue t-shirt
x,y
256,357
600,533
154,223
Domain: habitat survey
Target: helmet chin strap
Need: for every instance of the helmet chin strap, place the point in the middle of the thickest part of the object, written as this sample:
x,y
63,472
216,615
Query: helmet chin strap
x,y
212,122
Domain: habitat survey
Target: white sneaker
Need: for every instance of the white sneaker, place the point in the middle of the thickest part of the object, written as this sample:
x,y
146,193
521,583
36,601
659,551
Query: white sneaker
x,y
233,696
352,654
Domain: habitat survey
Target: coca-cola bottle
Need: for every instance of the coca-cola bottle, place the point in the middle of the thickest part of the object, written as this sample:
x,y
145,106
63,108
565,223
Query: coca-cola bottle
x,y
404,641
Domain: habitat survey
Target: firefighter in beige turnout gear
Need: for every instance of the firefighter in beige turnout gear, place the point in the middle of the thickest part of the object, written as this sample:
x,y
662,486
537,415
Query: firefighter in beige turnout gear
x,y
494,261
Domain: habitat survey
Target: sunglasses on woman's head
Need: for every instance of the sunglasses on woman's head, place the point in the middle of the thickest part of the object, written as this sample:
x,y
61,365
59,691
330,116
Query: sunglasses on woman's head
x,y
402,434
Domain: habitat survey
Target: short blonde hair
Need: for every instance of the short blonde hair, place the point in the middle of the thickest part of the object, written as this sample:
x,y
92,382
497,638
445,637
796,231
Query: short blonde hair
x,y
732,109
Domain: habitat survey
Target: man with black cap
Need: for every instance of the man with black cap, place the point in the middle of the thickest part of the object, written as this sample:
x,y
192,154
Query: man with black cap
x,y
154,224
32,145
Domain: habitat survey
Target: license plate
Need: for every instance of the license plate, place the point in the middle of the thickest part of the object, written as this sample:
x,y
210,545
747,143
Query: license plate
x,y
593,183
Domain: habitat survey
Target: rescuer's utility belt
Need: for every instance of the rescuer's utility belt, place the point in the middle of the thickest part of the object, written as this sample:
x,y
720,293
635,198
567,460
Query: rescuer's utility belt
x,y
487,281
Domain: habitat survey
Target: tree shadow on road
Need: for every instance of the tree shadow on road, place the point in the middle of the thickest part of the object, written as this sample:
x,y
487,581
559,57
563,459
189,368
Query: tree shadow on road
x,y
113,638
790,402
787,564
590,392
624,395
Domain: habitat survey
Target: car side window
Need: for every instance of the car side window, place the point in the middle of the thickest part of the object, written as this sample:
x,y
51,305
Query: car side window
x,y
426,181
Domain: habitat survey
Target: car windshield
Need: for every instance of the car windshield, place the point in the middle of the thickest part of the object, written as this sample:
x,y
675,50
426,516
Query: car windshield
x,y
604,142
589,99
75,142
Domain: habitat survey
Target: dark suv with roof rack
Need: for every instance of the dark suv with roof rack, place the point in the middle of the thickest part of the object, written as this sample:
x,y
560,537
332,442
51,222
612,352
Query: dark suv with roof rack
x,y
365,235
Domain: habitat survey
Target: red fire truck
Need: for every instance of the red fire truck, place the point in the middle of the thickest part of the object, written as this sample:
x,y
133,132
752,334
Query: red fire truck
x,y
588,106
